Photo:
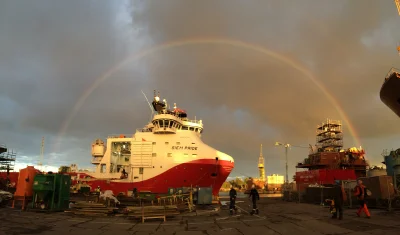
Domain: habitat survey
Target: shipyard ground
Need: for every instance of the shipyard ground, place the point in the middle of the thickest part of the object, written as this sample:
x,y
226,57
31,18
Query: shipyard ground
x,y
276,217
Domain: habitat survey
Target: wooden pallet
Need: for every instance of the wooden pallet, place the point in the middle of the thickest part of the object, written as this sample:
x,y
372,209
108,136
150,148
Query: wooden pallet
x,y
84,208
153,212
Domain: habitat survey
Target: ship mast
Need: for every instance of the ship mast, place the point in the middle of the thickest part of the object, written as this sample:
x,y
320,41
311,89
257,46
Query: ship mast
x,y
261,165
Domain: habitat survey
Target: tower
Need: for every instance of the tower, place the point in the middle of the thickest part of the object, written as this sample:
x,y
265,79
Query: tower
x,y
261,165
330,136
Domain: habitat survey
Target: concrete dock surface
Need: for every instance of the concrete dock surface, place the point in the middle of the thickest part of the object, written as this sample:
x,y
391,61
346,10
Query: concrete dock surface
x,y
276,218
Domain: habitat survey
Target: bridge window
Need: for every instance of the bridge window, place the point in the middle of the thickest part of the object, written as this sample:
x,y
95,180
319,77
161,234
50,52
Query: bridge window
x,y
194,155
191,128
103,168
185,128
171,123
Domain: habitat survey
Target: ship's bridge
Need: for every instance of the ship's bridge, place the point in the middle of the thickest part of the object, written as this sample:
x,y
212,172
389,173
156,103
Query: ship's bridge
x,y
170,121
169,124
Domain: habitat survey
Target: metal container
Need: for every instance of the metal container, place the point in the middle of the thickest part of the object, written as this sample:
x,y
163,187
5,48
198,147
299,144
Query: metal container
x,y
381,187
389,161
25,182
204,196
51,192
376,172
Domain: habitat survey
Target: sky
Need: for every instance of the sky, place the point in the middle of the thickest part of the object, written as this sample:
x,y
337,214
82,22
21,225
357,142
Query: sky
x,y
255,72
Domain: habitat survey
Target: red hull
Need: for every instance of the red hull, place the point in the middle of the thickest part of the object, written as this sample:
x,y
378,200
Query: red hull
x,y
199,173
13,176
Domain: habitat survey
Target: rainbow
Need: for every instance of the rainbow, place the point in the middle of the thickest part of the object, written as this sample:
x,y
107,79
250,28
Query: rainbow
x,y
194,42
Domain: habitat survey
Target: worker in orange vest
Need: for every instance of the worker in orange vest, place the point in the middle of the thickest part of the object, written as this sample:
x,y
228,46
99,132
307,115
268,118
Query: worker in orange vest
x,y
361,192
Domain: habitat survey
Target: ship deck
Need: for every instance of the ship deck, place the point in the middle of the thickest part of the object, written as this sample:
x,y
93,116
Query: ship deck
x,y
276,217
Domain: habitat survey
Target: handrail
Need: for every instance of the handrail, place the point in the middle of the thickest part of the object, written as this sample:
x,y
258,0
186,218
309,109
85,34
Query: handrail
x,y
391,71
118,136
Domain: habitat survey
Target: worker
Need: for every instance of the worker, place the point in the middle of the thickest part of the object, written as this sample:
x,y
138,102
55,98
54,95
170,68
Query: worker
x,y
254,197
124,175
232,199
360,192
339,197
135,193
98,189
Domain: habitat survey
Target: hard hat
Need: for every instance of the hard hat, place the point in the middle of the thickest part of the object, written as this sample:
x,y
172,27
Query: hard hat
x,y
253,186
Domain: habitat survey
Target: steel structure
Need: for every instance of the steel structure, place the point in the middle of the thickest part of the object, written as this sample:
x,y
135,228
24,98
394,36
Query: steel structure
x,y
7,159
330,136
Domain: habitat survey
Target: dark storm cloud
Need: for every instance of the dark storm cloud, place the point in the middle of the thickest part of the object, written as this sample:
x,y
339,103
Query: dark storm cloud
x,y
51,52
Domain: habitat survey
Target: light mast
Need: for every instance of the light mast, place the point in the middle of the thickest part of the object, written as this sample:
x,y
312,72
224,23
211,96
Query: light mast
x,y
261,165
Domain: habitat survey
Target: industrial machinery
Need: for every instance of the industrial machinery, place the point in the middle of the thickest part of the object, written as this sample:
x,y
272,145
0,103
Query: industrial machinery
x,y
51,192
204,196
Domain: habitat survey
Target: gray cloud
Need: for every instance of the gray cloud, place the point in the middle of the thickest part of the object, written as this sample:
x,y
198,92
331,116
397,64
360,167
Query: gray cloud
x,y
52,52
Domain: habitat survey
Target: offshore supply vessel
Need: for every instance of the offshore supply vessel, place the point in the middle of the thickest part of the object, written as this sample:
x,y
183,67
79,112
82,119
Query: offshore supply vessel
x,y
167,153
327,161
390,91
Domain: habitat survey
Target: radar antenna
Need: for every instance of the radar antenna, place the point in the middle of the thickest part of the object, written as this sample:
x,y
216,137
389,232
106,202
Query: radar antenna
x,y
152,111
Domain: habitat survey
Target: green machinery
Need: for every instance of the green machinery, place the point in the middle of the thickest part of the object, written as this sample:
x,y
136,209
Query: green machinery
x,y
51,192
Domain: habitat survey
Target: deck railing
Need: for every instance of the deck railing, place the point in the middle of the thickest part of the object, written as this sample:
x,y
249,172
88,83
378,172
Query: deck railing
x,y
392,71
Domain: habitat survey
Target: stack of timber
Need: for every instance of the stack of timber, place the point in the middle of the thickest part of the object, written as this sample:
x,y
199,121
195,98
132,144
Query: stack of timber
x,y
152,212
130,201
86,208
89,197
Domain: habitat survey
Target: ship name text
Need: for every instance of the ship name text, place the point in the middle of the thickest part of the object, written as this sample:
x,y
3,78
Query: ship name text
x,y
184,147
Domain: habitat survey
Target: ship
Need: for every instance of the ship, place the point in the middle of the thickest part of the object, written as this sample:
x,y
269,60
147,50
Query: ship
x,y
390,91
166,153
328,161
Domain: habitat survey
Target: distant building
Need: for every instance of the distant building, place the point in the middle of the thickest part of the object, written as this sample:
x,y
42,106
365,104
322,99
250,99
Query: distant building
x,y
274,182
275,179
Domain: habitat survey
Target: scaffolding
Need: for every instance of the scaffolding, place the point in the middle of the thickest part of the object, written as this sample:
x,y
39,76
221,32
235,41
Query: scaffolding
x,y
330,136
7,159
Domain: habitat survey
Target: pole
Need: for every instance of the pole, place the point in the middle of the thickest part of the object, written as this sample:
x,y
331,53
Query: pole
x,y
286,155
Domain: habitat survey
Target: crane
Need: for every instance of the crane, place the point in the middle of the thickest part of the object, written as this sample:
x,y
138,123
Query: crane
x,y
41,155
